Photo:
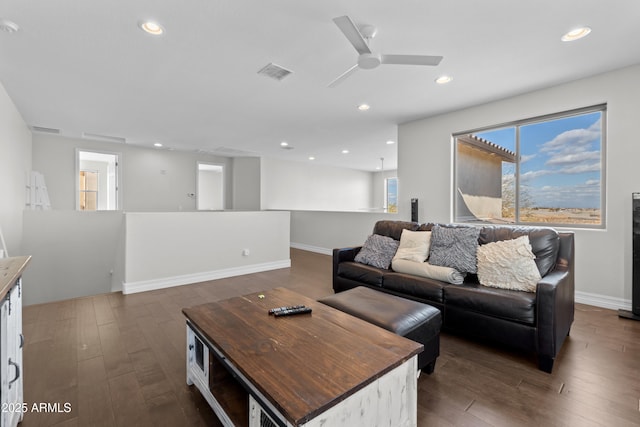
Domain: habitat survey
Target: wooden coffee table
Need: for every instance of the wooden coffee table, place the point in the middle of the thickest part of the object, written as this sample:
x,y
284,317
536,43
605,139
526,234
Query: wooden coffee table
x,y
324,368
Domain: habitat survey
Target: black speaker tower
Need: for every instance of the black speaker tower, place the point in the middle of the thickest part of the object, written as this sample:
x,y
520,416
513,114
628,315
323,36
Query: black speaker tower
x,y
414,210
635,289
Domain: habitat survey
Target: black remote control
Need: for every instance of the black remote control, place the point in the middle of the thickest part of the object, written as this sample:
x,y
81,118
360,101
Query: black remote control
x,y
279,309
293,311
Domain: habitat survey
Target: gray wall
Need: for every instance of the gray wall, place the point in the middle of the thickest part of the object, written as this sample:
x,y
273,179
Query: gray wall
x,y
73,253
321,232
306,186
246,183
152,179
15,166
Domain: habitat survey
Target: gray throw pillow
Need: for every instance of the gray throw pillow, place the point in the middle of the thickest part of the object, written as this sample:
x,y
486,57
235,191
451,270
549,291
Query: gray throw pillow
x,y
377,251
454,247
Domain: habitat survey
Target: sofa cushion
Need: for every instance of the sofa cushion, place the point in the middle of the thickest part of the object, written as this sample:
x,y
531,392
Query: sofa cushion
x,y
454,247
393,229
508,264
419,287
544,241
505,304
414,246
424,269
377,251
361,273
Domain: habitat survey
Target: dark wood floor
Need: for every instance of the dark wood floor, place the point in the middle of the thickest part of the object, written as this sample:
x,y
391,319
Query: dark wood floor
x,y
120,361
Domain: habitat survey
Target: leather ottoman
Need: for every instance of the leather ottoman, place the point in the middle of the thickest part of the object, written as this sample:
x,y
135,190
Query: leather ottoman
x,y
410,319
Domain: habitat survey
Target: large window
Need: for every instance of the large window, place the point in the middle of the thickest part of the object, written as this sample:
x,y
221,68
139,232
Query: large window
x,y
547,170
97,181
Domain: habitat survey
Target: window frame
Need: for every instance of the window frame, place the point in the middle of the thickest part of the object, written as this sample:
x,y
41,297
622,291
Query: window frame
x,y
386,194
118,178
517,124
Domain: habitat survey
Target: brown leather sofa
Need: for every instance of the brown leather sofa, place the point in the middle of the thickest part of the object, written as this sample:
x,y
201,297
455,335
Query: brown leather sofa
x,y
532,322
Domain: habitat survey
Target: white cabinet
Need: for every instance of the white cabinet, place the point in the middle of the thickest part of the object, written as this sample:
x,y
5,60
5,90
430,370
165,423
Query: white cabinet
x,y
11,341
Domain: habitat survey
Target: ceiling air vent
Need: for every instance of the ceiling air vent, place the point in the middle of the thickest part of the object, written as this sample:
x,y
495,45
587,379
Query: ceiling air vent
x,y
44,129
232,152
105,138
274,71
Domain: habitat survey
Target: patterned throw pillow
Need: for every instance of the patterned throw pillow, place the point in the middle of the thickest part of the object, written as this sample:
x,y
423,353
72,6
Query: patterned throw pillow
x,y
454,247
508,264
377,251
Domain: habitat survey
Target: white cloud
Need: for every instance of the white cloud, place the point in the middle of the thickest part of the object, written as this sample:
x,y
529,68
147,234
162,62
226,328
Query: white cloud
x,y
525,158
592,182
569,158
535,174
581,168
570,196
573,140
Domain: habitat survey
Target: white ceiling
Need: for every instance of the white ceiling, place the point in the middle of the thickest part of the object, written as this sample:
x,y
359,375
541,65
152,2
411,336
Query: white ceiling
x,y
83,66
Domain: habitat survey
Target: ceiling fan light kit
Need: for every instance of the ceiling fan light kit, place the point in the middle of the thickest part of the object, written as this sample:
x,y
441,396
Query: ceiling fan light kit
x,y
367,59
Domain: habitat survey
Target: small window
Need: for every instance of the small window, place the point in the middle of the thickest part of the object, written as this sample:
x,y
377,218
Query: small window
x,y
545,171
391,195
97,182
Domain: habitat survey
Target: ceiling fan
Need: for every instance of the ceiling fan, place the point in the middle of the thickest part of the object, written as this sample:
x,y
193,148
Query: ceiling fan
x,y
368,60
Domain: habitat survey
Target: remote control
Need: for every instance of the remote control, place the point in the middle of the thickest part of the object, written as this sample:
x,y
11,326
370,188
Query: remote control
x,y
293,311
279,309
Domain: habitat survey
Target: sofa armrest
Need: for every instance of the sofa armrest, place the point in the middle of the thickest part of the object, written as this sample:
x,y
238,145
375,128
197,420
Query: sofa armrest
x,y
555,296
343,255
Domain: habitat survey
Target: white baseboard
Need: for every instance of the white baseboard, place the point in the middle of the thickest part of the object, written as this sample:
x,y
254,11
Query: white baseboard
x,y
603,301
187,279
317,249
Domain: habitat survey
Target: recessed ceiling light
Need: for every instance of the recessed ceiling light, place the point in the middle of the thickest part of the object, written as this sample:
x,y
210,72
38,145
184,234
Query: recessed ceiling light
x,y
345,151
311,158
284,144
390,142
8,26
151,27
576,34
443,80
157,144
363,107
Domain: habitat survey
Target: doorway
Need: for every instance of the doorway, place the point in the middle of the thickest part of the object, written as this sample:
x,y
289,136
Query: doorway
x,y
210,187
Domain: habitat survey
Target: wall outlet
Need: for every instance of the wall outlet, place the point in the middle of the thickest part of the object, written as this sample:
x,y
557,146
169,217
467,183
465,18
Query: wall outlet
x,y
245,252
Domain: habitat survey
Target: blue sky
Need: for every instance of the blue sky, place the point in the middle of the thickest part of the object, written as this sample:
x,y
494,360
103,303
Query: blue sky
x,y
560,160
392,191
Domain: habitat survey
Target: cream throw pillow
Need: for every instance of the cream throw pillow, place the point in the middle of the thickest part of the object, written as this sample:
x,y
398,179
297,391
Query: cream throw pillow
x,y
508,264
424,269
414,245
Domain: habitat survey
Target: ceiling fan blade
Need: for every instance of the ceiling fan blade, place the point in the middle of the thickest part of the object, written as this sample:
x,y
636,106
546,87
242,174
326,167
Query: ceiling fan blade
x,y
411,59
352,34
343,76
